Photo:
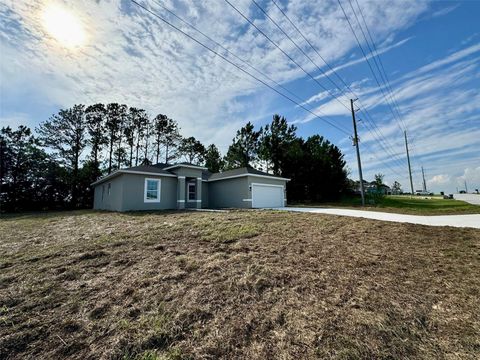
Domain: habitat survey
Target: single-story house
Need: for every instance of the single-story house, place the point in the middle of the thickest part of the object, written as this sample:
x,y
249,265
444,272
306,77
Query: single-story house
x,y
184,185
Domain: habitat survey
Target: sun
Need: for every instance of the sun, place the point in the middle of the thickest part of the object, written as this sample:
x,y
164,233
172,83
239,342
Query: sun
x,y
64,26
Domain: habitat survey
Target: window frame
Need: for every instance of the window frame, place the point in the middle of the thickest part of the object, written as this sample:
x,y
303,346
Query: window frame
x,y
145,190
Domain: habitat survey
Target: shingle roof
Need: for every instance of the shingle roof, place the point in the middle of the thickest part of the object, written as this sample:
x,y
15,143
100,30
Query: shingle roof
x,y
239,172
154,169
158,169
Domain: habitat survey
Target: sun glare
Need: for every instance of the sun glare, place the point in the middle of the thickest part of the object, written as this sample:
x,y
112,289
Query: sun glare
x,y
64,26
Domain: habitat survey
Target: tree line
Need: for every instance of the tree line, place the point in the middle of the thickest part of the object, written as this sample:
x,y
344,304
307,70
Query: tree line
x,y
54,169
316,167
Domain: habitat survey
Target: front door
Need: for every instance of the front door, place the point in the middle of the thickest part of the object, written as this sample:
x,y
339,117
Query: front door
x,y
192,193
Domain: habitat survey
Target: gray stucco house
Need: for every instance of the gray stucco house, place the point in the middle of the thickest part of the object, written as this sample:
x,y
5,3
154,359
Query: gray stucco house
x,y
183,185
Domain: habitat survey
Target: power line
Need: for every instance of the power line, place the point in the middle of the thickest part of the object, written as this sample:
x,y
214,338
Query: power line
x,y
238,67
228,51
376,131
376,53
368,62
246,63
283,51
382,70
388,101
301,50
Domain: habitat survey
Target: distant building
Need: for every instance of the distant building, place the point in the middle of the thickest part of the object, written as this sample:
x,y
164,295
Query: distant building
x,y
372,188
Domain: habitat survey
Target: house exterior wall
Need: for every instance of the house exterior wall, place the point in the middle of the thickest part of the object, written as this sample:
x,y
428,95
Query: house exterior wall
x,y
205,199
127,191
134,188
105,201
187,172
229,193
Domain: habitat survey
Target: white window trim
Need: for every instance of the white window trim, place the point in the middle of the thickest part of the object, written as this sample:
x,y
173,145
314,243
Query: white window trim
x,y
159,192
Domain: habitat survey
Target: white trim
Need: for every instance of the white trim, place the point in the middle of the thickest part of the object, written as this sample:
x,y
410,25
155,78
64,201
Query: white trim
x,y
261,184
246,199
119,172
181,177
194,201
187,166
253,175
159,182
199,178
182,201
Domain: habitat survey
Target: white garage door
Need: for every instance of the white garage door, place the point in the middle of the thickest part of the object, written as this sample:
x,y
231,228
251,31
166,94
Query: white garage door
x,y
267,196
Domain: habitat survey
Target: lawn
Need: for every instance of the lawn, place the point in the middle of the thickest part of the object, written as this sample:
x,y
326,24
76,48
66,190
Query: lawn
x,y
405,204
239,284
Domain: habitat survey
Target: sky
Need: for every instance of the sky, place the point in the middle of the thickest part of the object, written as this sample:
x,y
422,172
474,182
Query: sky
x,y
54,54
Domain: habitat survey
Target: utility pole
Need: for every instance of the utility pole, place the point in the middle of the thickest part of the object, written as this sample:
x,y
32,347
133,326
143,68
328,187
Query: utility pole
x,y
408,160
356,144
424,183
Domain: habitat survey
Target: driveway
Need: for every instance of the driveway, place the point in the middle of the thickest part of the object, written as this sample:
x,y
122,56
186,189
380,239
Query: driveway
x,y
470,221
470,198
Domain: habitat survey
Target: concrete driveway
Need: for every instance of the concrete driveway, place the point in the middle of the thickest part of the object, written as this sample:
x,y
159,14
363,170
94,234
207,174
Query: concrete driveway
x,y
470,198
469,221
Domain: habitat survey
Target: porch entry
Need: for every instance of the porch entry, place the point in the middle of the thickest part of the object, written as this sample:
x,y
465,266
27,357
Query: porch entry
x,y
193,196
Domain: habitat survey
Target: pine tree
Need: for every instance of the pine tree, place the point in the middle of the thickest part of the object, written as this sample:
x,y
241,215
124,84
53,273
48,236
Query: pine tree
x,y
213,159
275,139
95,118
192,149
244,148
66,134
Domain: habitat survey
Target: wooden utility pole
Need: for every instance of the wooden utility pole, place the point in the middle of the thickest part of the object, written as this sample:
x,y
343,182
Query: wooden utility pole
x,y
424,182
356,144
408,160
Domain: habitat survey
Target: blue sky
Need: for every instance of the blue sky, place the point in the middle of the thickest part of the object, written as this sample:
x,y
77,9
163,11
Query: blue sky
x,y
430,51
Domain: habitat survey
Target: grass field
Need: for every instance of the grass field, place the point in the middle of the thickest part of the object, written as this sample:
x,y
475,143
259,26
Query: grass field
x,y
405,204
240,284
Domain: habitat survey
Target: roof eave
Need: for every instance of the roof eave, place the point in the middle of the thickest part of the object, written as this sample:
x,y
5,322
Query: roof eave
x,y
186,166
119,172
248,174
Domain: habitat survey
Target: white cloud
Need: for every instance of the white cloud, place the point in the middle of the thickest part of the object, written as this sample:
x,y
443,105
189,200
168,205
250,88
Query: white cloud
x,y
444,11
133,57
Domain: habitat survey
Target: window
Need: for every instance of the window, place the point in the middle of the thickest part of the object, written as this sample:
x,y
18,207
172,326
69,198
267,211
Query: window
x,y
109,187
152,190
192,191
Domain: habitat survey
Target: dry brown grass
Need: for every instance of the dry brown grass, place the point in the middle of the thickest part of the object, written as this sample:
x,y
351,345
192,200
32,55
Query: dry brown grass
x,y
249,285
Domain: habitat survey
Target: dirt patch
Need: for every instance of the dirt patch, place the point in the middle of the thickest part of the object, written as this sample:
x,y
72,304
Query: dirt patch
x,y
242,284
